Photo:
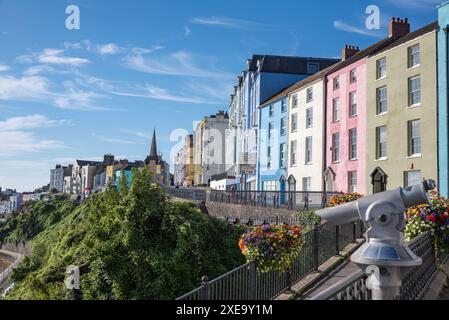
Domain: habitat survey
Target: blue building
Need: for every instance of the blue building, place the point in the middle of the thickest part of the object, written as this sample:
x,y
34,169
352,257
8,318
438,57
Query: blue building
x,y
443,98
272,146
266,75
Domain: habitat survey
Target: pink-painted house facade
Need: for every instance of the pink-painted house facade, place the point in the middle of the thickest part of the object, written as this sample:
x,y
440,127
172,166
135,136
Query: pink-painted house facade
x,y
346,124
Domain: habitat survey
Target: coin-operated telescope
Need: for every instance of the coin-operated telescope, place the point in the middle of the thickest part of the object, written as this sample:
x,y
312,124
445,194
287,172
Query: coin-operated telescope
x,y
384,255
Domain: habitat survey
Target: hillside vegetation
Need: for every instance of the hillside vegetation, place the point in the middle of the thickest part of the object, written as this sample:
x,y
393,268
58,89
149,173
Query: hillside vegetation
x,y
137,245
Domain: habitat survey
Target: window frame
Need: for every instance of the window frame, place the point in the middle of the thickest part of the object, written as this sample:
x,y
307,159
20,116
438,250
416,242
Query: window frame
x,y
411,140
335,147
352,104
293,153
379,101
411,92
309,116
336,115
380,67
411,55
353,144
380,156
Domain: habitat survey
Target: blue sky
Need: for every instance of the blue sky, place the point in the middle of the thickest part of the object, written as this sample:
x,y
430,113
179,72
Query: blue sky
x,y
138,65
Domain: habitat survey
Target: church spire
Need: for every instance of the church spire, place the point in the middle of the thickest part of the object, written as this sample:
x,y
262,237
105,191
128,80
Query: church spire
x,y
153,150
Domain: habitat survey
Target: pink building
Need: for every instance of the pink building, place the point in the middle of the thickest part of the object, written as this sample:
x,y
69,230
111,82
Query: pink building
x,y
346,123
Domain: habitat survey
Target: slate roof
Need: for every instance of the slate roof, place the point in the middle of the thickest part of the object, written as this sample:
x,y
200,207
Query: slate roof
x,y
378,47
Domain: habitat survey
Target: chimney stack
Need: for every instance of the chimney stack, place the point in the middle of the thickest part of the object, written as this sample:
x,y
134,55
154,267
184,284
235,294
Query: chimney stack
x,y
399,27
348,51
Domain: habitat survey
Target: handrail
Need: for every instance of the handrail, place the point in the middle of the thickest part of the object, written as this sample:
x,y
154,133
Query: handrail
x,y
339,286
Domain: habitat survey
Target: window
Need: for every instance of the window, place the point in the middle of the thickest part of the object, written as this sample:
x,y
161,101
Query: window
x,y
283,126
381,68
294,123
269,185
413,56
283,105
336,83
353,144
414,89
309,117
293,152
412,178
309,94
294,101
283,154
271,111
269,157
352,181
382,100
335,147
270,130
307,184
308,153
353,76
336,110
414,137
353,104
313,67
381,142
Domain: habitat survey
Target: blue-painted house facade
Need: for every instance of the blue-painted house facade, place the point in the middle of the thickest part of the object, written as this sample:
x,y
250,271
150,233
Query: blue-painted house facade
x,y
272,146
443,98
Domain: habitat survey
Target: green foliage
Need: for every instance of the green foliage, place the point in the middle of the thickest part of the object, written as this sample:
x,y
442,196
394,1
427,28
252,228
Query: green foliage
x,y
308,220
137,246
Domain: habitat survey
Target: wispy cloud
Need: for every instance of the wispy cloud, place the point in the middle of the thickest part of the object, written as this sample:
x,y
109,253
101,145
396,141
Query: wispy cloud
x,y
187,31
341,25
158,93
416,4
227,22
53,56
113,140
16,137
24,88
29,122
178,63
4,67
139,134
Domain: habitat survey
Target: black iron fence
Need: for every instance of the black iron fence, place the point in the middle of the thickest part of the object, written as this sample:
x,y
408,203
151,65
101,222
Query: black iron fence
x,y
291,200
247,283
413,287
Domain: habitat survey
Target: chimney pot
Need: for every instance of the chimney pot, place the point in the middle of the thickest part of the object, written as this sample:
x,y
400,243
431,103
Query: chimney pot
x,y
399,27
349,51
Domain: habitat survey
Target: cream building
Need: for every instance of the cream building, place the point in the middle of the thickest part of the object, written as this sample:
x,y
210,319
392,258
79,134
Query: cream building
x,y
401,138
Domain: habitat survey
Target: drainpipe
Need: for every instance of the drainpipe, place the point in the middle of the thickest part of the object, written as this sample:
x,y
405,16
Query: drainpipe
x,y
446,66
324,133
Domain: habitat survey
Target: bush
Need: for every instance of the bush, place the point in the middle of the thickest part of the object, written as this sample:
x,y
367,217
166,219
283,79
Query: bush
x,y
343,198
137,245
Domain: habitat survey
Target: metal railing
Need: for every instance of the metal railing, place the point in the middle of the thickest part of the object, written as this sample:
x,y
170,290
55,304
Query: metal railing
x,y
5,274
185,193
247,283
290,200
413,287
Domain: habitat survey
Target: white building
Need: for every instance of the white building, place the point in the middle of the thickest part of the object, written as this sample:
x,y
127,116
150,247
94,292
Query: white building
x,y
305,159
210,156
57,178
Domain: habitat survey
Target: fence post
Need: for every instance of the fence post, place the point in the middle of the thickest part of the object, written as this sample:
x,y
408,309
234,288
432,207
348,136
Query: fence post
x,y
253,281
204,288
289,279
337,236
354,232
316,246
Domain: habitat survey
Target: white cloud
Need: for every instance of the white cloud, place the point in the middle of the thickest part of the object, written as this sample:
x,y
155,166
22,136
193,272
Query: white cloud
x,y
227,22
29,122
158,93
187,31
341,25
16,137
79,100
53,56
25,88
139,134
4,67
113,140
417,4
108,49
178,63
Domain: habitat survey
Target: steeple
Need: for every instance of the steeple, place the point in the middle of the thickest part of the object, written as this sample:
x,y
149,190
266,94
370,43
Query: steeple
x,y
153,150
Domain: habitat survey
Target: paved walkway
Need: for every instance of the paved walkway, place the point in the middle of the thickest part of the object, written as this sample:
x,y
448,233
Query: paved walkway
x,y
342,272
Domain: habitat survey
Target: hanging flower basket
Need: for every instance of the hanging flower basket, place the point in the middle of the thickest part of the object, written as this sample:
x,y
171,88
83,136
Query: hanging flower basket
x,y
433,217
273,247
343,198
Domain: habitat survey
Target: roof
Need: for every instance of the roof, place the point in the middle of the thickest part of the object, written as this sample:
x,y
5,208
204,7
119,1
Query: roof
x,y
82,163
410,36
287,64
378,47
